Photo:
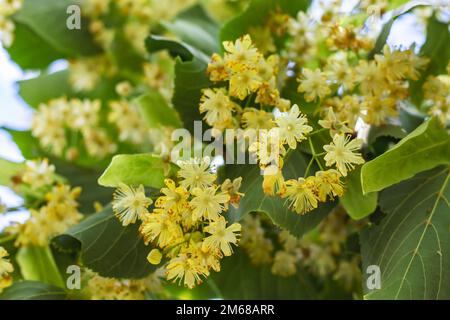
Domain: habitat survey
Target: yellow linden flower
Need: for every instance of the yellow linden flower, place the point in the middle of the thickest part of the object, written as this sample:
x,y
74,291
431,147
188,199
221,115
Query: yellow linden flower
x,y
48,125
174,198
154,75
207,203
442,111
217,69
328,183
96,8
370,77
130,203
268,148
268,94
257,119
6,268
52,219
314,85
436,89
221,236
128,121
349,110
7,28
273,182
379,109
85,73
253,240
124,89
195,173
187,269
244,82
340,72
342,152
217,105
293,127
232,189
97,142
284,264
283,105
416,63
268,68
394,64
333,124
38,173
241,53
301,194
209,258
83,114
160,224
154,257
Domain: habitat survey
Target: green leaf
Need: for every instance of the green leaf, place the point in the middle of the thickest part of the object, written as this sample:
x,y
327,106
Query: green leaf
x,y
190,77
190,80
107,247
275,207
394,4
38,264
85,178
33,290
437,49
45,88
175,48
27,144
196,28
386,30
29,51
47,19
8,170
410,118
358,205
387,130
257,14
123,53
156,112
146,169
426,147
239,279
411,243
56,85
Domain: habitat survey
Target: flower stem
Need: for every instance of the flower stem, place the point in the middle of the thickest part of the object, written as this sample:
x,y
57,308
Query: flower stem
x,y
317,131
308,167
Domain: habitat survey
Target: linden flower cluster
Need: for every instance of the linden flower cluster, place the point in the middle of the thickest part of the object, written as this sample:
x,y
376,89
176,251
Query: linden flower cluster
x,y
370,90
309,37
86,73
247,73
6,268
101,288
437,96
137,17
54,121
186,223
318,251
7,27
56,215
305,193
128,121
277,136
